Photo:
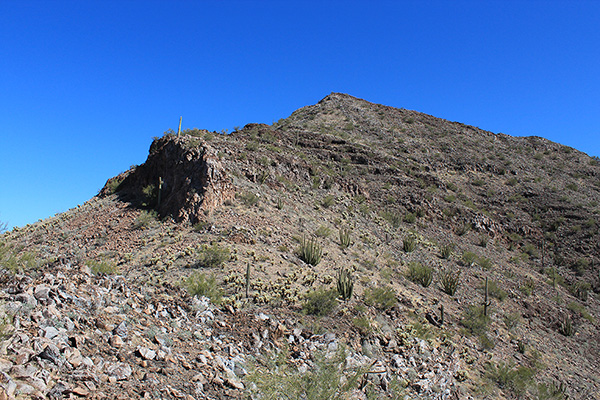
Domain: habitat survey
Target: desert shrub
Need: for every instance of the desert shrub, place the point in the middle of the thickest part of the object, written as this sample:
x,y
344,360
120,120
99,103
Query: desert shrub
x,y
552,391
392,217
419,273
198,284
323,231
275,378
310,251
511,320
462,229
484,263
495,291
409,243
580,290
580,265
474,321
527,287
320,302
410,218
363,324
112,185
507,376
201,226
102,267
345,240
469,258
328,201
449,280
383,297
15,261
248,198
581,310
146,219
212,256
149,195
531,250
446,250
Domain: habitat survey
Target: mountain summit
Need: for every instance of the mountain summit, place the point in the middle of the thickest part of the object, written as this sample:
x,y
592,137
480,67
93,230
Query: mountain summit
x,y
349,251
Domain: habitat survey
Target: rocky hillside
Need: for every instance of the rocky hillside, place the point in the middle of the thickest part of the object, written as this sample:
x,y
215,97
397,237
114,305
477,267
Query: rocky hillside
x,y
349,251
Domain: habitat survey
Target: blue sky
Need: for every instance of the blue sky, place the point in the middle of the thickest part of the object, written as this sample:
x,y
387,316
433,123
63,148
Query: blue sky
x,y
85,85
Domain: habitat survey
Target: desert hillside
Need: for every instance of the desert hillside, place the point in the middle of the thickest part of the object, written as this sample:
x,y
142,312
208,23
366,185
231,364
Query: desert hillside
x,y
349,251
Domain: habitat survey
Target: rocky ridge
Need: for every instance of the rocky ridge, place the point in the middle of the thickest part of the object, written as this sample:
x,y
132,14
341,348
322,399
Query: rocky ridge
x,y
95,305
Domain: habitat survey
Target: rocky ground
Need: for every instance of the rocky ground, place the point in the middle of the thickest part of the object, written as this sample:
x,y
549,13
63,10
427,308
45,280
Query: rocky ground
x,y
103,301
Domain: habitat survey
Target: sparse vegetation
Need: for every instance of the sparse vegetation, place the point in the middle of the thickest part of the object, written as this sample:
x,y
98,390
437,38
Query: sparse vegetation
x,y
419,273
212,256
320,302
198,284
103,267
382,298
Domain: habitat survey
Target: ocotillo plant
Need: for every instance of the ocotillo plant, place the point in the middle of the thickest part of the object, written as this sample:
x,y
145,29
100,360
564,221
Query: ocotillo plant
x,y
179,129
486,302
310,251
345,284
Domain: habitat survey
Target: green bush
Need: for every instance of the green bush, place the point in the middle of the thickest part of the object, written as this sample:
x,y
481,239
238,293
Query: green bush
x,y
485,263
275,378
102,267
506,376
410,218
248,198
328,201
469,258
320,302
212,256
323,231
197,284
392,217
310,251
419,273
495,291
149,195
113,185
382,298
474,321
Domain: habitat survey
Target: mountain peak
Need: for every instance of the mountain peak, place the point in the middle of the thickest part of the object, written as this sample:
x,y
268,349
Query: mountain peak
x,y
393,235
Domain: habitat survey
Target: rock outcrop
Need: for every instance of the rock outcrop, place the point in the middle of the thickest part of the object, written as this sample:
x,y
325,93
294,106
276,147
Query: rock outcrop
x,y
182,178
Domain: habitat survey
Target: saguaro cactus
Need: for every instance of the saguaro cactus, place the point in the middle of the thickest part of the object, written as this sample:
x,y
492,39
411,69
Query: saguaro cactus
x,y
248,280
486,302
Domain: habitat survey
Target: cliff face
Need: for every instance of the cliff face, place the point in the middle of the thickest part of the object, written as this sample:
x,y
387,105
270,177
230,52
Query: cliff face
x,y
182,178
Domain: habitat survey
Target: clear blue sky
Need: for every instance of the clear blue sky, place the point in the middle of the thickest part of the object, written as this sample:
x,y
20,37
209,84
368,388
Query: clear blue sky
x,y
84,85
